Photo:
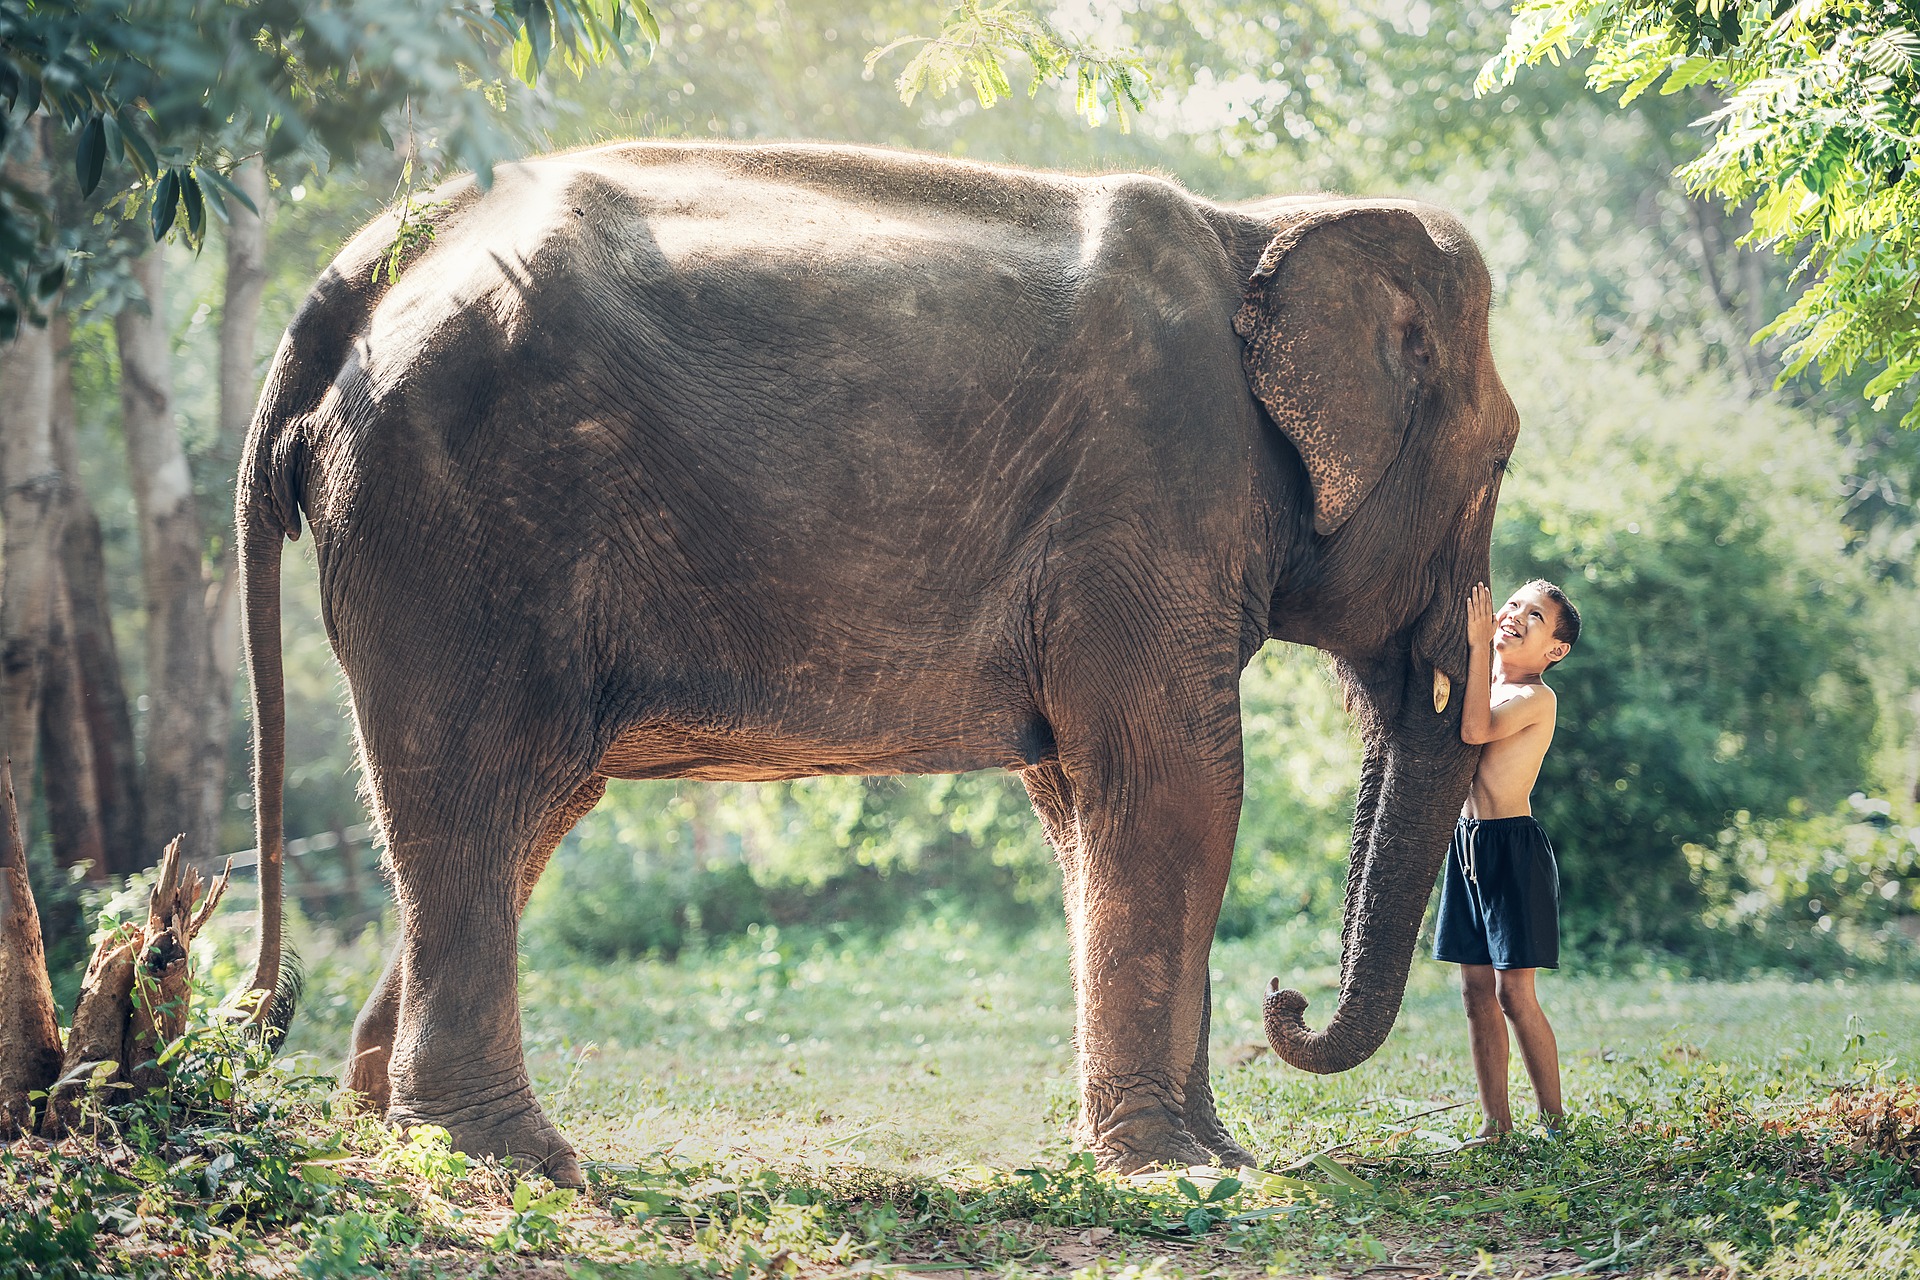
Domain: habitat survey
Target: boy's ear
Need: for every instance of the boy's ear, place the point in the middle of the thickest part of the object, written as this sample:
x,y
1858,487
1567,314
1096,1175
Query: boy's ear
x,y
1560,650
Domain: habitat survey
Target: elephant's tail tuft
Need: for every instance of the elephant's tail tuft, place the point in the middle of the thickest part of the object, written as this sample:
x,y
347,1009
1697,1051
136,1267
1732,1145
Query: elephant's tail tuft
x,y
292,982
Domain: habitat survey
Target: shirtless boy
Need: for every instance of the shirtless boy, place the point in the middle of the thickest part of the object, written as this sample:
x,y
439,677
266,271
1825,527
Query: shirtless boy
x,y
1500,900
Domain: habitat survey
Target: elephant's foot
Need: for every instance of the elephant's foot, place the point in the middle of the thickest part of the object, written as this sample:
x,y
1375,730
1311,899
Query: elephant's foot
x,y
513,1130
1227,1154
1204,1123
366,1076
1137,1128
373,1034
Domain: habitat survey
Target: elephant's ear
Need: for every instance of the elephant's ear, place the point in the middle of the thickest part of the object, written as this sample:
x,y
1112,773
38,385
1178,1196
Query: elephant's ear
x,y
1338,344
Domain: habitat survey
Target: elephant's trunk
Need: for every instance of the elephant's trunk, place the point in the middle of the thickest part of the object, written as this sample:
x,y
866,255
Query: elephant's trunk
x,y
1410,794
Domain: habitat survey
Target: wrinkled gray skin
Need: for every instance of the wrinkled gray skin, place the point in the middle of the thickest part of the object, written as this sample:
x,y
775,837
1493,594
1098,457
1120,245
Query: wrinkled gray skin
x,y
761,462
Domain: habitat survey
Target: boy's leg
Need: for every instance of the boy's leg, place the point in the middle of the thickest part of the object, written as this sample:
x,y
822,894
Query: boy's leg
x,y
1538,1048
1487,1033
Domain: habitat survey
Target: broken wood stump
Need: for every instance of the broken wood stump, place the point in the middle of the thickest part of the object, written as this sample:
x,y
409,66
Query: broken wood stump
x,y
135,997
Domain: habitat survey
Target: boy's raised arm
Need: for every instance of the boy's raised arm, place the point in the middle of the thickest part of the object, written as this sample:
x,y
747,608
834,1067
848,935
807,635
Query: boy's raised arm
x,y
1476,708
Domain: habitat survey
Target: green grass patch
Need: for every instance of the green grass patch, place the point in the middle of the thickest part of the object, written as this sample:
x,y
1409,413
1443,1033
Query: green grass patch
x,y
806,1105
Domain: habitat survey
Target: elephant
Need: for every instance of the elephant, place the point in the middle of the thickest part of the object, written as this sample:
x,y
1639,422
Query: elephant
x,y
754,462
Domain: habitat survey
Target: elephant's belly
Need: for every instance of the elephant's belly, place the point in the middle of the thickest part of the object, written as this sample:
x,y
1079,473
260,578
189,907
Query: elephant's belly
x,y
748,755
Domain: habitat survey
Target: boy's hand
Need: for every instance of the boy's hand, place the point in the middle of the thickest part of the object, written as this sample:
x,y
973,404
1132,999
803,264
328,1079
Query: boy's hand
x,y
1480,615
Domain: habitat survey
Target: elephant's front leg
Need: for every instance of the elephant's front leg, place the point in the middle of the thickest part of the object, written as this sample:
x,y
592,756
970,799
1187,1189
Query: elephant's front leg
x,y
1053,799
1154,855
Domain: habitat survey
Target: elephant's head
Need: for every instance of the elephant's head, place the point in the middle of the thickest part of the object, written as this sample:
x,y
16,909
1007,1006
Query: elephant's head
x,y
1365,328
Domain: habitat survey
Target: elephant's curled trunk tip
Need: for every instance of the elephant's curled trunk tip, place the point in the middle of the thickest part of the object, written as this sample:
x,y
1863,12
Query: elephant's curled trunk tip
x,y
1322,1052
1285,1022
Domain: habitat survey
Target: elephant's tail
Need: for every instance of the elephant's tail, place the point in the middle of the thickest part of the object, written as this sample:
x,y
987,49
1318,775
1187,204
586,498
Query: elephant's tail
x,y
260,527
268,498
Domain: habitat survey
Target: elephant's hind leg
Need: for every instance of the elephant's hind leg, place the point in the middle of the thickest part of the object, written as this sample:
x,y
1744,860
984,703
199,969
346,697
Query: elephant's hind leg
x,y
367,1062
467,793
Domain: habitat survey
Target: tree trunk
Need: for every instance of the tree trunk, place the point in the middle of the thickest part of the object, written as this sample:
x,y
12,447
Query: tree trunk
x,y
29,1029
181,799
133,1001
99,687
30,510
66,750
66,743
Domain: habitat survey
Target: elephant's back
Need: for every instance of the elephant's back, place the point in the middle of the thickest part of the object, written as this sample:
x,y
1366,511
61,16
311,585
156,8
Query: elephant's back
x,y
864,303
761,258
851,374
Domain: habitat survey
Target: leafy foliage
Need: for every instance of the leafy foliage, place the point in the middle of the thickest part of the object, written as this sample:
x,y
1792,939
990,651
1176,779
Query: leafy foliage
x,y
1728,662
1816,130
659,865
1707,681
975,39
1829,888
163,96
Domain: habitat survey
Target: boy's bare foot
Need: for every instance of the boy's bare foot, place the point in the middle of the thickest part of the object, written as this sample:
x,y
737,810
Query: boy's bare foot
x,y
1489,1132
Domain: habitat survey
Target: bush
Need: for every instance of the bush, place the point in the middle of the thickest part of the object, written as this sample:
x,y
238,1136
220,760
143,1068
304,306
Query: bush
x,y
1718,672
1302,770
1817,893
660,866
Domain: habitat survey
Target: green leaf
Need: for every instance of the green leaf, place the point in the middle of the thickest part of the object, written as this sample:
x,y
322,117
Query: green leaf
x,y
196,207
51,281
523,68
540,33
141,151
219,181
1225,1189
1341,1174
166,202
91,156
649,24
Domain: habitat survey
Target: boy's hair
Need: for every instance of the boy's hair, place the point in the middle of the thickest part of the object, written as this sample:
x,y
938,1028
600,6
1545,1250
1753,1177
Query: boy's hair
x,y
1566,628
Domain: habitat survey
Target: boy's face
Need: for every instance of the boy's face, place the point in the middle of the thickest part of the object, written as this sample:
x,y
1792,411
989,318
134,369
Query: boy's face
x,y
1523,631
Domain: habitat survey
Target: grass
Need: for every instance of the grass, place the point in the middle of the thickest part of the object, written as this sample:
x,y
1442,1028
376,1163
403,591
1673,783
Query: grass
x,y
806,1106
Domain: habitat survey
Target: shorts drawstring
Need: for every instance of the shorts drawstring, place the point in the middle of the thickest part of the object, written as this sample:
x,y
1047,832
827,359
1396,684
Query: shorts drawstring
x,y
1470,854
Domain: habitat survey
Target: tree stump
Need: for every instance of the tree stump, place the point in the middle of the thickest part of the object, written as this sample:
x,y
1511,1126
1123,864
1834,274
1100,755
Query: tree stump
x,y
135,996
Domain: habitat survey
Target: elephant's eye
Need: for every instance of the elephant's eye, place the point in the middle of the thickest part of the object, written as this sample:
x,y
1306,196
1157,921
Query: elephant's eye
x,y
1500,463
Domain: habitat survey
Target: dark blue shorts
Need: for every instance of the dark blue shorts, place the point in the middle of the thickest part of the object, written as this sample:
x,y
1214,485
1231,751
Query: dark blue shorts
x,y
1499,896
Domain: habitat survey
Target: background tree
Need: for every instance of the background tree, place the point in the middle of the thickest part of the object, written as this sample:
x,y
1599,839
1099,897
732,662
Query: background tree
x,y
1813,129
168,111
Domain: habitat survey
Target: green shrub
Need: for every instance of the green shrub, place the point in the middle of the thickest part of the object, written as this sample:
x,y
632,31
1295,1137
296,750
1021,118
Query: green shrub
x,y
1719,671
662,866
1302,770
1816,892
